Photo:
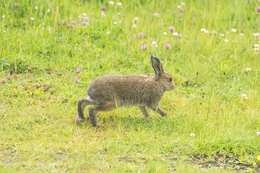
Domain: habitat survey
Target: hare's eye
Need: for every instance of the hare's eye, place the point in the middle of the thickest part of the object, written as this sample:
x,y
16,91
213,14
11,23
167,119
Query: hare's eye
x,y
170,79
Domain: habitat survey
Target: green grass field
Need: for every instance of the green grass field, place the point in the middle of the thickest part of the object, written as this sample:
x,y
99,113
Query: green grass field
x,y
213,120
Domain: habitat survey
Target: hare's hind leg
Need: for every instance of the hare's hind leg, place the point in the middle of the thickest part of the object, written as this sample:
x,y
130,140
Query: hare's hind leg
x,y
144,111
82,103
99,108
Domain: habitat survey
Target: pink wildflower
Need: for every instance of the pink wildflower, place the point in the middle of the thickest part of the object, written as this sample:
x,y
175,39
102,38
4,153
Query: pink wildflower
x,y
258,9
85,19
84,23
103,8
167,46
171,28
16,5
144,47
140,35
181,10
63,22
179,35
79,70
76,80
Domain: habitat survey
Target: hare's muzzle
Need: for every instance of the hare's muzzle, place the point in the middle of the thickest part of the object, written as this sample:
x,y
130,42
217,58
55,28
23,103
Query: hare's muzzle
x,y
173,85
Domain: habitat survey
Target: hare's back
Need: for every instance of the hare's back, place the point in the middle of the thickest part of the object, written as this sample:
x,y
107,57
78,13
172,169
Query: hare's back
x,y
109,87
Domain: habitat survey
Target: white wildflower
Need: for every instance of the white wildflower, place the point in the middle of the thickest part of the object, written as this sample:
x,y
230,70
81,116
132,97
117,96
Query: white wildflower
x,y
192,134
111,2
257,35
256,46
247,69
135,19
233,30
119,4
154,44
244,97
175,34
204,30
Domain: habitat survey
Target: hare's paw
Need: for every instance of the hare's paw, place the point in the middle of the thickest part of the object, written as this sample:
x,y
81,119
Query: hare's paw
x,y
163,114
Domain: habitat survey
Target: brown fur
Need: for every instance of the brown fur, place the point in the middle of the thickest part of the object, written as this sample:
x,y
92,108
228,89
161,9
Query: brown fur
x,y
111,91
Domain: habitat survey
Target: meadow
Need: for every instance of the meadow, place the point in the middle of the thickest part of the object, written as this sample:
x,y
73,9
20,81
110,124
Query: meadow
x,y
51,50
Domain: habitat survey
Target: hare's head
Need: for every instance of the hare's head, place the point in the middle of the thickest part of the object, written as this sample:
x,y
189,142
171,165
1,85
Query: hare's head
x,y
164,78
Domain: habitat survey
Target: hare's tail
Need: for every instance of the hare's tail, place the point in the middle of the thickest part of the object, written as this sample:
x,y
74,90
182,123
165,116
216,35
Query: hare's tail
x,y
82,103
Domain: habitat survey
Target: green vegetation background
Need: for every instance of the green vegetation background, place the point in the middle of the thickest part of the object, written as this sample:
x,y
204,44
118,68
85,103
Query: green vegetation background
x,y
214,113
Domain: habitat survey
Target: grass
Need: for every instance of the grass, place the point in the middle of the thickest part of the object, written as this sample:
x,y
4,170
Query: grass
x,y
38,103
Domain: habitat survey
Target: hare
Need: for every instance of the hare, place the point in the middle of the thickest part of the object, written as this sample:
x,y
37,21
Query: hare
x,y
110,91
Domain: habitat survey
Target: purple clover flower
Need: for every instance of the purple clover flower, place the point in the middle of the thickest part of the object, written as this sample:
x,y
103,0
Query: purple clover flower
x,y
16,5
167,46
144,47
103,8
171,28
76,80
258,9
140,35
181,10
85,19
79,70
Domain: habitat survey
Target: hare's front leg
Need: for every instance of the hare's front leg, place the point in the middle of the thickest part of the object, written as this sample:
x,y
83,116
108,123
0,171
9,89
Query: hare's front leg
x,y
92,116
144,111
158,110
161,112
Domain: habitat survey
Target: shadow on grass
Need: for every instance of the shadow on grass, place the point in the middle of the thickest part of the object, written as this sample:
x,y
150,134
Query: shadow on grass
x,y
136,123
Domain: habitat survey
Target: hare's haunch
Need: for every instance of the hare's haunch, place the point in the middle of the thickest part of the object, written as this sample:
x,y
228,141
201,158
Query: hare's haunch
x,y
110,91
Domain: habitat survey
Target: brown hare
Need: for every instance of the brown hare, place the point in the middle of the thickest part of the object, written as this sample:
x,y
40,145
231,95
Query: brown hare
x,y
110,91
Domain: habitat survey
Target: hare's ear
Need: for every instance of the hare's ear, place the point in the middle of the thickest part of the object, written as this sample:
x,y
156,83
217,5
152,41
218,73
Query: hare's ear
x,y
157,66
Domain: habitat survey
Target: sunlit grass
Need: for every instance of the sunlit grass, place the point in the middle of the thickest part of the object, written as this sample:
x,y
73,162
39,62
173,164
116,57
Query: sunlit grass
x,y
214,113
